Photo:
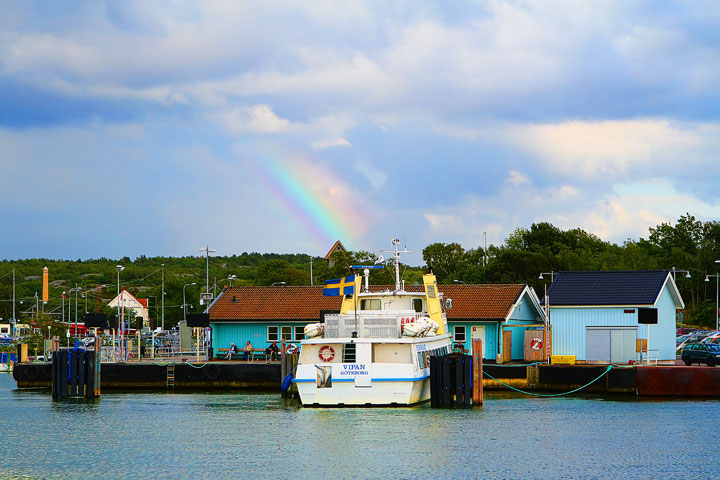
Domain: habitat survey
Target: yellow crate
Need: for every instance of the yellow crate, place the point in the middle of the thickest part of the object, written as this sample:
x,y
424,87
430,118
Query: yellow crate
x,y
562,359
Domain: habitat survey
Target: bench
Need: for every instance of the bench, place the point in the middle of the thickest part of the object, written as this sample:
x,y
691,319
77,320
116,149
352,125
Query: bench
x,y
222,353
255,354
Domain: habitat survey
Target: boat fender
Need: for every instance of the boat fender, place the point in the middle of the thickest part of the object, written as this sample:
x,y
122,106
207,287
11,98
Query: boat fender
x,y
212,371
291,348
286,383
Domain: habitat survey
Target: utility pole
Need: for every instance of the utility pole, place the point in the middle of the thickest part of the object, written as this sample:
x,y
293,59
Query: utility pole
x,y
14,320
207,251
162,297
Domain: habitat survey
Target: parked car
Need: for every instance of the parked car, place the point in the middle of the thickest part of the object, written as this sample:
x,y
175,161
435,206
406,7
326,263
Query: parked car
x,y
685,330
712,339
707,353
690,339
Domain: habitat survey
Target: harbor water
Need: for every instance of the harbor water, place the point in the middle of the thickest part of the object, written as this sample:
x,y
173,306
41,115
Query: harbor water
x,y
252,435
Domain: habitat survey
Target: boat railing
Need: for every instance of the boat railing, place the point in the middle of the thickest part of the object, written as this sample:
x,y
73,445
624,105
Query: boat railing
x,y
368,324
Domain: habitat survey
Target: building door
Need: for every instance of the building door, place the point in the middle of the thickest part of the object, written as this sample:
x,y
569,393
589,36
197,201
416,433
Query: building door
x,y
610,345
478,332
597,345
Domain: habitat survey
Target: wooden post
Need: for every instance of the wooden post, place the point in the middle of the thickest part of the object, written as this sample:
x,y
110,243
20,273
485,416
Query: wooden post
x,y
477,372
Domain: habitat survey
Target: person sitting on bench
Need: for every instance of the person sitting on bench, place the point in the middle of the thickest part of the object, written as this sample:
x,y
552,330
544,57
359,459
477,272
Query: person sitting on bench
x,y
272,351
231,352
248,349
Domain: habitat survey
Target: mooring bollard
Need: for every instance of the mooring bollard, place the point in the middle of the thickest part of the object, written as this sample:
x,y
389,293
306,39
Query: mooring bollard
x,y
477,372
76,372
451,381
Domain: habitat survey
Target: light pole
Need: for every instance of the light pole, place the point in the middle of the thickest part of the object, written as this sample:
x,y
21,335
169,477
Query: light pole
x,y
63,300
551,273
162,298
231,278
673,270
76,290
120,268
717,279
207,251
184,304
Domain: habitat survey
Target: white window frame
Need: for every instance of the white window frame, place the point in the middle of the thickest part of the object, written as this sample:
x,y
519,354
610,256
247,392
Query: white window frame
x,y
456,331
299,332
276,333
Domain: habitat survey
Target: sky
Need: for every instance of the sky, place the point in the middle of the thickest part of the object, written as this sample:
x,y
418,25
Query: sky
x,y
158,127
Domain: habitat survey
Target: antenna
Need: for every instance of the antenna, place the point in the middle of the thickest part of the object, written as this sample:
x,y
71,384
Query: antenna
x,y
397,253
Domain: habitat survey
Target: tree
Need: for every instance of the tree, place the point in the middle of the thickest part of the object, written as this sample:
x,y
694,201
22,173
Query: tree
x,y
445,260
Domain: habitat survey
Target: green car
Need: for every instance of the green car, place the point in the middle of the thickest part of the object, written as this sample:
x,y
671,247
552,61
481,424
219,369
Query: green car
x,y
708,353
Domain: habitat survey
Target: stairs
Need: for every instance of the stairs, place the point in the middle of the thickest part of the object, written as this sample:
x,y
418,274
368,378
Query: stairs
x,y
170,376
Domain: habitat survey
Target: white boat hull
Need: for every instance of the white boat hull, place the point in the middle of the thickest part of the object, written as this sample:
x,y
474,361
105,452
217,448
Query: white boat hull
x,y
381,391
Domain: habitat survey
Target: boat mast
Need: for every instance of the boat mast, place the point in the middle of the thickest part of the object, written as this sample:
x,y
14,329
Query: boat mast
x,y
397,253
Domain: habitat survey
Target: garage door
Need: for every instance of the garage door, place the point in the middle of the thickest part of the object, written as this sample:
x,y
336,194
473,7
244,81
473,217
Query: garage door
x,y
610,345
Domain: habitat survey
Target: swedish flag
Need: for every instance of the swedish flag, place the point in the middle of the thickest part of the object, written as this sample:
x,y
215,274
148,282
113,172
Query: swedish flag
x,y
339,286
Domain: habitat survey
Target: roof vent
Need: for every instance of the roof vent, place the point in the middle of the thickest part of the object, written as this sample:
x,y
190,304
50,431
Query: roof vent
x,y
234,299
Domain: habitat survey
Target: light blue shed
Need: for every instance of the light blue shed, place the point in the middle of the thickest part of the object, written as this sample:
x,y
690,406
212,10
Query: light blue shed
x,y
598,317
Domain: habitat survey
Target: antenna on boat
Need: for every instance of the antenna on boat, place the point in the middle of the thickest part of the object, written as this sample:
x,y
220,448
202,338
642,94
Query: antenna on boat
x,y
396,262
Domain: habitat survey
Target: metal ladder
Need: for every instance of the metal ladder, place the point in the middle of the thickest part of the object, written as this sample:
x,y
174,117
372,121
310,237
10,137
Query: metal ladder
x,y
170,376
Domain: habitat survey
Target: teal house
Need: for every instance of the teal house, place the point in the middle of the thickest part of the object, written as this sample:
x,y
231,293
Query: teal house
x,y
497,314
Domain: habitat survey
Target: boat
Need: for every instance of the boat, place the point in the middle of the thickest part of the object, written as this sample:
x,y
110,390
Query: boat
x,y
376,351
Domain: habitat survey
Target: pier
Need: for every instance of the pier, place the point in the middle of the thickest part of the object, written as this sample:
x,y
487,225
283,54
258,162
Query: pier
x,y
678,381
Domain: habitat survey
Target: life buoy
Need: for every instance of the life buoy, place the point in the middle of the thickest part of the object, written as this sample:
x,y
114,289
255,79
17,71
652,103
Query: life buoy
x,y
212,371
326,353
290,349
536,343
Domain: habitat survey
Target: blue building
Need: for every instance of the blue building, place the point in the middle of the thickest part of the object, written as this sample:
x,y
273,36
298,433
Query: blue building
x,y
598,317
497,314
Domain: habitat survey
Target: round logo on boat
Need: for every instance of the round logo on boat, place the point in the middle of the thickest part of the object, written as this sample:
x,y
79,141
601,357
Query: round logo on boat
x,y
326,353
536,343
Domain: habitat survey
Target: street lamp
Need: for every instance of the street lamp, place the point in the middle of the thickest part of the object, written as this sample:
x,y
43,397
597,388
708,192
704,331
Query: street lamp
x,y
120,268
231,278
673,270
278,283
551,273
707,279
184,304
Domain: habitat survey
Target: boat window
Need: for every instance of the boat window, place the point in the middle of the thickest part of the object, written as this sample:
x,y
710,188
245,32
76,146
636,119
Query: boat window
x,y
430,289
349,353
299,332
417,304
370,304
459,333
286,332
272,333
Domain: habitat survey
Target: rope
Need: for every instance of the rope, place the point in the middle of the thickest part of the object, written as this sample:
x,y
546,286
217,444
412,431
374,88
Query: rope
x,y
513,365
550,394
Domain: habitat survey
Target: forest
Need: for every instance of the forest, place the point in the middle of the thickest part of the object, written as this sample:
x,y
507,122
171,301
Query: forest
x,y
688,247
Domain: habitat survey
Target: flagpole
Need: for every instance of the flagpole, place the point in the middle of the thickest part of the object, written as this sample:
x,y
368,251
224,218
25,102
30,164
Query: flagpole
x,y
355,301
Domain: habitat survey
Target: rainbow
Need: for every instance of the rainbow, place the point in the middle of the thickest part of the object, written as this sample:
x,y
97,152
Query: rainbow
x,y
314,197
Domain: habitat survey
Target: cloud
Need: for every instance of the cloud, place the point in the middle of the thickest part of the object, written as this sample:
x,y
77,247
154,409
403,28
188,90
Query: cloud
x,y
335,142
516,178
615,149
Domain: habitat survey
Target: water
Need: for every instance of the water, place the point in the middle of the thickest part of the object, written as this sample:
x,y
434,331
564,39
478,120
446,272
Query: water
x,y
245,435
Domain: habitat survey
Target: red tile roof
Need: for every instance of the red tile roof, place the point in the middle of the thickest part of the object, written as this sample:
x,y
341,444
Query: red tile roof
x,y
470,302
